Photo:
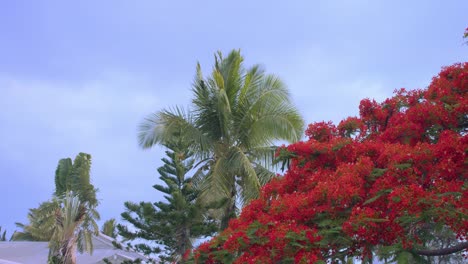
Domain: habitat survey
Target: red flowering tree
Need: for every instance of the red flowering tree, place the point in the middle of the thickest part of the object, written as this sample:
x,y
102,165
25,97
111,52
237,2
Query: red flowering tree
x,y
388,183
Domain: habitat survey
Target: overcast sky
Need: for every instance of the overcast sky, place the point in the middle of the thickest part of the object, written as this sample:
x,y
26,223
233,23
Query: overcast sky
x,y
79,76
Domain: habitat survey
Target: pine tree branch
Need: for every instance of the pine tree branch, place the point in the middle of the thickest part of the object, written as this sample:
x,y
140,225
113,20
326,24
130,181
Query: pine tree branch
x,y
442,251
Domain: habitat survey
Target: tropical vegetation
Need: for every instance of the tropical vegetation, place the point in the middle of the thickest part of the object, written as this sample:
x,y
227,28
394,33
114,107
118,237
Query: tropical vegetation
x,y
109,228
169,227
70,216
72,230
391,183
237,115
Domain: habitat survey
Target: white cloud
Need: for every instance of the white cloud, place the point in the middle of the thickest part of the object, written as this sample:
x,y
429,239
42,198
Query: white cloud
x,y
44,121
79,110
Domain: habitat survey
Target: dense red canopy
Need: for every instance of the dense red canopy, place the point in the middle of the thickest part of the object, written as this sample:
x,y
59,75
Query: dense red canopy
x,y
385,182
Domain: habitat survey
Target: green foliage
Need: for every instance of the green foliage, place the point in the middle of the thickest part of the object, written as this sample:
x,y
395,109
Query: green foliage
x,y
76,177
109,228
376,173
69,177
41,223
72,230
68,220
62,179
175,222
2,235
379,194
236,115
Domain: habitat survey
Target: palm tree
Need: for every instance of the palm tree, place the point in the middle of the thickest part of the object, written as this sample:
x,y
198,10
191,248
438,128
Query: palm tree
x,y
72,230
109,228
237,114
69,176
41,223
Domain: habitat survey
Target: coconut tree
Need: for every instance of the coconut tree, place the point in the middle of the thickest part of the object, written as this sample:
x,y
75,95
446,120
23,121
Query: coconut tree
x,y
73,230
237,115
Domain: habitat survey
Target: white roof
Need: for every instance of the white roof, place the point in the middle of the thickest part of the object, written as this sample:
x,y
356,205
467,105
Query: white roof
x,y
29,252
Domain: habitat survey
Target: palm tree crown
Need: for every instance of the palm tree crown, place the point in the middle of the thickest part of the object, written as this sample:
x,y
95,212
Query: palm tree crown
x,y
237,114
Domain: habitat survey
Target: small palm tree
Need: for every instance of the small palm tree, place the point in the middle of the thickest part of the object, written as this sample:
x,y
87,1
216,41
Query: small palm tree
x,y
41,223
236,116
109,228
69,176
74,228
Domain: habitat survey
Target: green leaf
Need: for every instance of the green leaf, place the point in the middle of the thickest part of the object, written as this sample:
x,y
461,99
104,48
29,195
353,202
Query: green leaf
x,y
376,172
404,257
377,220
403,166
457,194
379,194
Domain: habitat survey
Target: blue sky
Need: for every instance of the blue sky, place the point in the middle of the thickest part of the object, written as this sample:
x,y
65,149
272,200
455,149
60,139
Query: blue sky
x,y
80,76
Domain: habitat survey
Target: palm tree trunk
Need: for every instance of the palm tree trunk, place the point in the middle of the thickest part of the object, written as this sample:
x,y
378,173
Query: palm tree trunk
x,y
230,210
67,253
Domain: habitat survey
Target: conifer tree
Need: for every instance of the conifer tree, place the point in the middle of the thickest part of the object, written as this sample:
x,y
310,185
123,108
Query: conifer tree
x,y
169,227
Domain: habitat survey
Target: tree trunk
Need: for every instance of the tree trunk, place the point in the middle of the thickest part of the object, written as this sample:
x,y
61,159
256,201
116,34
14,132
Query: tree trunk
x,y
229,212
69,251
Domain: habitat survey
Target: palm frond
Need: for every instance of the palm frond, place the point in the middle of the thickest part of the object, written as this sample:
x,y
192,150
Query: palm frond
x,y
64,169
278,124
252,79
264,175
264,155
267,114
218,182
109,228
247,177
160,128
232,71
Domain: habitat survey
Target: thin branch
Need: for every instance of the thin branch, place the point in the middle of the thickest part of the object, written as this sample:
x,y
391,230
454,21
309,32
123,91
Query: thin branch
x,y
442,251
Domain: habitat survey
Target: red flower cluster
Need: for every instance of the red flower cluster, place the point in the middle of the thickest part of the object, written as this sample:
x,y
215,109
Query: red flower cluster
x,y
378,180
